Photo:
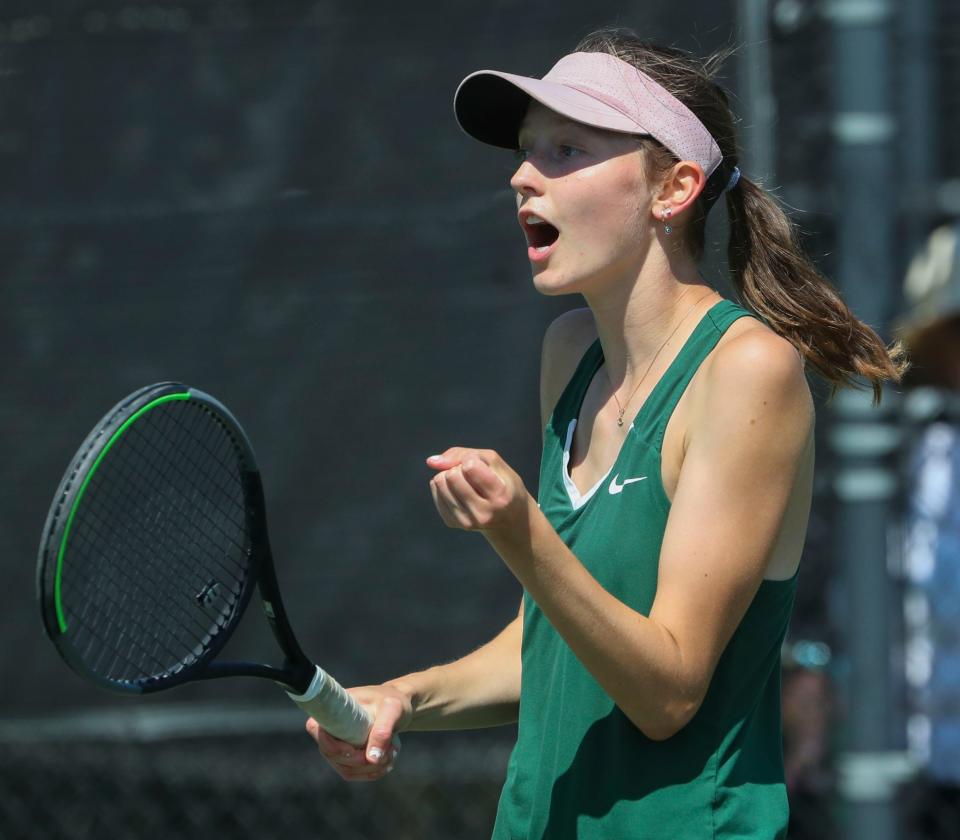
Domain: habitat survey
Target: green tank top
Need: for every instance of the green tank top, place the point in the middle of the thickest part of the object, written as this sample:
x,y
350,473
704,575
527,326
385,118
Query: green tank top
x,y
580,769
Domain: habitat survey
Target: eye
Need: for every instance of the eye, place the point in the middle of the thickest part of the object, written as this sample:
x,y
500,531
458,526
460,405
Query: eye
x,y
568,151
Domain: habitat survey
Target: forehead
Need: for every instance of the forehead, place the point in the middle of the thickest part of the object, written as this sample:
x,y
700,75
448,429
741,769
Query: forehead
x,y
540,119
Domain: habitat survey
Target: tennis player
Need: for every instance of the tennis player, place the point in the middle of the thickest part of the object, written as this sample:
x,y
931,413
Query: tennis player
x,y
659,561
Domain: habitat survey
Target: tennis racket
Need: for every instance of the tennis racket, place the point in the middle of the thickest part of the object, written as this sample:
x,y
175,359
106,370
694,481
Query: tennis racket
x,y
154,543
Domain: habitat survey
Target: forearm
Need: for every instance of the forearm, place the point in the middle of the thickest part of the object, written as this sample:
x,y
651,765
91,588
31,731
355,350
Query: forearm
x,y
634,659
479,690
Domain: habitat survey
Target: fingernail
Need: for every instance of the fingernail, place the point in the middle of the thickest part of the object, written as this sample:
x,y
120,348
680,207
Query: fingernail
x,y
375,754
435,458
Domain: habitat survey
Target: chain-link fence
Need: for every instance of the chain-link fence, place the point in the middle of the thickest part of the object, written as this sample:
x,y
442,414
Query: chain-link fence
x,y
257,787
243,787
197,771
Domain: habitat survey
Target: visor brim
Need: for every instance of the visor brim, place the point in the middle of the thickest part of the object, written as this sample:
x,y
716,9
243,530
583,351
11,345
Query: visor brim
x,y
490,105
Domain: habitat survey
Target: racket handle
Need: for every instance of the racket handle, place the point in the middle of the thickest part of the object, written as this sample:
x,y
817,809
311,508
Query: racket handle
x,y
328,703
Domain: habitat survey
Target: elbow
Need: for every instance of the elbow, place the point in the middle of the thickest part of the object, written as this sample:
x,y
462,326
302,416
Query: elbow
x,y
660,708
661,730
667,721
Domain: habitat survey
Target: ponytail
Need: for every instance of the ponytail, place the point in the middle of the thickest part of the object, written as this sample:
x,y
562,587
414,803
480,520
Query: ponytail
x,y
770,272
777,281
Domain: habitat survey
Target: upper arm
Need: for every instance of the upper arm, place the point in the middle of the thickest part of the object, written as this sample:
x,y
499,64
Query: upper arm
x,y
564,343
749,428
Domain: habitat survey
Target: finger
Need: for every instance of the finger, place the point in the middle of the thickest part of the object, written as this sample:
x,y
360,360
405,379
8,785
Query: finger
x,y
369,776
472,507
380,748
438,462
489,456
337,752
370,772
364,772
482,478
462,494
447,459
325,741
458,514
456,455
449,509
441,501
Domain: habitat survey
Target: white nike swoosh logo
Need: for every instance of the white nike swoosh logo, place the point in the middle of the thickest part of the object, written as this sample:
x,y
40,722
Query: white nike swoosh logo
x,y
615,488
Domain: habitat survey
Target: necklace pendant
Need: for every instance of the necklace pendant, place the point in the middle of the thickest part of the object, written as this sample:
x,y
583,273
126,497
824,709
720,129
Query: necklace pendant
x,y
620,419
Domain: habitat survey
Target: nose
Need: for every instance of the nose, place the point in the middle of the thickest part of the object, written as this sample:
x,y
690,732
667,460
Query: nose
x,y
527,180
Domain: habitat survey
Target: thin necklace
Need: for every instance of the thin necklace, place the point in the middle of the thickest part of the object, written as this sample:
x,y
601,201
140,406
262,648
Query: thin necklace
x,y
622,408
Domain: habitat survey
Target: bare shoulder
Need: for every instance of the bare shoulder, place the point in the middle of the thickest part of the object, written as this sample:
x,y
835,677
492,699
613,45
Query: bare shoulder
x,y
564,343
568,337
755,368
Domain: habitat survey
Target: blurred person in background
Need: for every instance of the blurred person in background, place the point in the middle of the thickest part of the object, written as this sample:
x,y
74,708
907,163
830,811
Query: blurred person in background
x,y
808,707
931,331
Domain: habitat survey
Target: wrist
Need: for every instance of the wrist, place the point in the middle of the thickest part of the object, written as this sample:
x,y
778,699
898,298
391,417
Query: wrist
x,y
412,692
513,537
514,521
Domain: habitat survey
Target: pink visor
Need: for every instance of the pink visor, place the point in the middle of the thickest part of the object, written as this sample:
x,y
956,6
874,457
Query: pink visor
x,y
592,88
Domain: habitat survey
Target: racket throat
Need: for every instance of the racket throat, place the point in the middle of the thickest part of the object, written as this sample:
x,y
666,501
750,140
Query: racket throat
x,y
298,677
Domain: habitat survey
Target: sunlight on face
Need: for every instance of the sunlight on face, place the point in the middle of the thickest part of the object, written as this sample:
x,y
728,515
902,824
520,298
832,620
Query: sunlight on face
x,y
589,185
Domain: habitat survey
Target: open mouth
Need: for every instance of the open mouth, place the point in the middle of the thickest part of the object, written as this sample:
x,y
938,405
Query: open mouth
x,y
541,235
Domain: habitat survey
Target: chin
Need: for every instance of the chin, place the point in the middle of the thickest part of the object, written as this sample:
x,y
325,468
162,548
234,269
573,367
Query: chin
x,y
552,288
553,284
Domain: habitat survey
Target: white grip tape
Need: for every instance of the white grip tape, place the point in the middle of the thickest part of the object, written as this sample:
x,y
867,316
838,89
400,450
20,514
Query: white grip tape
x,y
328,703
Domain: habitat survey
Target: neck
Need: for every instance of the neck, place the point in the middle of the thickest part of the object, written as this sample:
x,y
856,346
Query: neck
x,y
635,319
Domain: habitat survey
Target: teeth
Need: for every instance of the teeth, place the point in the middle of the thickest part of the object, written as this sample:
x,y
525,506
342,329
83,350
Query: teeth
x,y
534,220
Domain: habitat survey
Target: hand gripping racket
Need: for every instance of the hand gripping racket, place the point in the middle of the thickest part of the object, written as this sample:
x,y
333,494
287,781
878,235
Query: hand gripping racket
x,y
152,548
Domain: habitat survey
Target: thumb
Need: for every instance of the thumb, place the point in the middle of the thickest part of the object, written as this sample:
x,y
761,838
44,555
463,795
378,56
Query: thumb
x,y
379,742
447,459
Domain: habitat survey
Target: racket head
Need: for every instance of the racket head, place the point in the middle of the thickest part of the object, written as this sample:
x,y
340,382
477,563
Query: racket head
x,y
154,541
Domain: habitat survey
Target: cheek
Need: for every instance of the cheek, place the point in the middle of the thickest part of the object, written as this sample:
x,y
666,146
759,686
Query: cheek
x,y
612,210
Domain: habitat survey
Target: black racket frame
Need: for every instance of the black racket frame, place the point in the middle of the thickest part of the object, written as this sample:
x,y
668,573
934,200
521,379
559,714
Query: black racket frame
x,y
297,670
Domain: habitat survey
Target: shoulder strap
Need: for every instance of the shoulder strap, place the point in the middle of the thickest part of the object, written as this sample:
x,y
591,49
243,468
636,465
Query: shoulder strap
x,y
651,422
568,406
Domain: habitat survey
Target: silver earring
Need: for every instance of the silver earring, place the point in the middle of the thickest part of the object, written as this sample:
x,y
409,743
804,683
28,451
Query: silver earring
x,y
665,214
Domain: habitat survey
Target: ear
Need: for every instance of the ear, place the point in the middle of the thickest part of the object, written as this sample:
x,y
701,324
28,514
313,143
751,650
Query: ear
x,y
679,189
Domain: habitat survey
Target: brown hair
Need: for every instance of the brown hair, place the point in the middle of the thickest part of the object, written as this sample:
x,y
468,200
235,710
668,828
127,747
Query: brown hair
x,y
770,272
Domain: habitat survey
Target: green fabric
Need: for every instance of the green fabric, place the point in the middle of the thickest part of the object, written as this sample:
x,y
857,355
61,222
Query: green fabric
x,y
580,769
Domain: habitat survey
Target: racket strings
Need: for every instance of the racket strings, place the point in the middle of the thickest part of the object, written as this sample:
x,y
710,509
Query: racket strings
x,y
118,606
124,601
159,550
206,513
184,638
223,480
128,553
125,553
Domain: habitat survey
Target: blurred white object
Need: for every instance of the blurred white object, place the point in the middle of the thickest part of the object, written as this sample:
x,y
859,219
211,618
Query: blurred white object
x,y
932,285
